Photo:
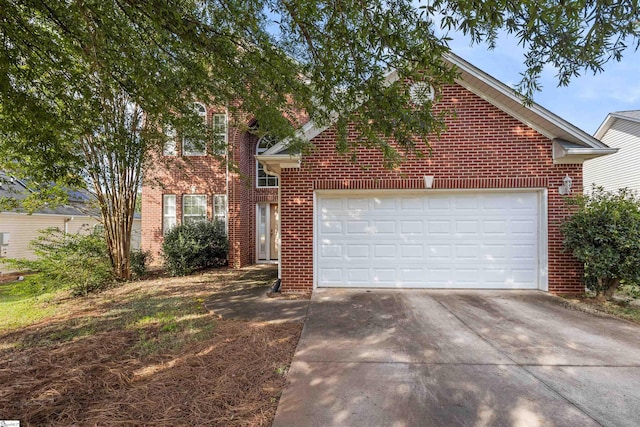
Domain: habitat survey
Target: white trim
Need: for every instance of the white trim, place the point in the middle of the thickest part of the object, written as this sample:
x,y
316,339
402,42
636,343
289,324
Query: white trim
x,y
185,153
426,191
165,230
610,120
225,212
279,234
567,153
225,134
558,127
268,259
543,243
316,249
206,207
509,93
258,153
543,232
310,130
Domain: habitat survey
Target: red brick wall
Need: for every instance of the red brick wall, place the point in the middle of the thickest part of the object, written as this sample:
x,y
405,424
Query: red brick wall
x,y
180,176
207,175
482,148
243,199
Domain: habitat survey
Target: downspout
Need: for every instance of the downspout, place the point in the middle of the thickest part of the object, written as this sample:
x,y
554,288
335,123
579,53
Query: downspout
x,y
227,169
279,233
66,224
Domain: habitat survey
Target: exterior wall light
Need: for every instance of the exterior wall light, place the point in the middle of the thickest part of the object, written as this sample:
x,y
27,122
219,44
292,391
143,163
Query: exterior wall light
x,y
565,188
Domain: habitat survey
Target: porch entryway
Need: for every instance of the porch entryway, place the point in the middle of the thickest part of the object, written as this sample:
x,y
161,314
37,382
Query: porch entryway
x,y
268,229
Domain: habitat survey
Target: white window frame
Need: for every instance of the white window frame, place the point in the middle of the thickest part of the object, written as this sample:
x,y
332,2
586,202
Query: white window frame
x,y
201,110
168,218
264,180
220,133
220,210
187,218
170,146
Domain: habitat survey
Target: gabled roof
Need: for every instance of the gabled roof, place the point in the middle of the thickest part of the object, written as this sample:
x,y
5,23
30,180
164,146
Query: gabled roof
x,y
11,187
631,116
571,144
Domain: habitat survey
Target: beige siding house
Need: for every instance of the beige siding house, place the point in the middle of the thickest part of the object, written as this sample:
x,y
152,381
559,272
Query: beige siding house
x,y
619,130
17,229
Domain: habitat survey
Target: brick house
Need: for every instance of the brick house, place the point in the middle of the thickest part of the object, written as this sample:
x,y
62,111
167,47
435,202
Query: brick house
x,y
483,211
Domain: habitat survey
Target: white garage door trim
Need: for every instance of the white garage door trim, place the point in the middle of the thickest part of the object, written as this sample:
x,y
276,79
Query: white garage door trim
x,y
540,193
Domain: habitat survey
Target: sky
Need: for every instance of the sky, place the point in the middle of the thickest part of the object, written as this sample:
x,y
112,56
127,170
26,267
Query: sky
x,y
587,100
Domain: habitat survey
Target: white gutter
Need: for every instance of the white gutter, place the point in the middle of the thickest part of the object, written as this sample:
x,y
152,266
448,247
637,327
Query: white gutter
x,y
567,153
273,164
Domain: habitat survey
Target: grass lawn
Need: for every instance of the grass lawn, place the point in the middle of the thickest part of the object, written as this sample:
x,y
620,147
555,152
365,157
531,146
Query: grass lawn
x,y
20,307
144,353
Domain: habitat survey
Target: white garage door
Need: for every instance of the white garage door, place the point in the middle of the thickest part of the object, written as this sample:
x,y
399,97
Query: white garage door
x,y
460,240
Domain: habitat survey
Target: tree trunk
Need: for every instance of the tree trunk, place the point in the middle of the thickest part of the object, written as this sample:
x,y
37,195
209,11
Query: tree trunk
x,y
611,289
606,288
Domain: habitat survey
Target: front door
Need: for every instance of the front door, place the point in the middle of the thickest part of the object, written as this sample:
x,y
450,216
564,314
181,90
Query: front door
x,y
268,231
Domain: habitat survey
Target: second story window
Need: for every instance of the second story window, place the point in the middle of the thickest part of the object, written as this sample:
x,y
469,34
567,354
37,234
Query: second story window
x,y
262,178
195,146
170,146
219,124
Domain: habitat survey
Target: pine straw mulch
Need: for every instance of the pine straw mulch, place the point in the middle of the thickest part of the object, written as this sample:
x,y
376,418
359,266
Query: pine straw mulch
x,y
89,365
233,379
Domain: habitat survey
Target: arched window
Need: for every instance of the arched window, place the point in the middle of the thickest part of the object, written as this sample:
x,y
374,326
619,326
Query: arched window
x,y
264,180
201,110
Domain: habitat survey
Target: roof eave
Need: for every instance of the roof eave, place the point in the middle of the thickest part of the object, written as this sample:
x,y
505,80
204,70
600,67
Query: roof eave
x,y
565,154
310,130
562,128
274,163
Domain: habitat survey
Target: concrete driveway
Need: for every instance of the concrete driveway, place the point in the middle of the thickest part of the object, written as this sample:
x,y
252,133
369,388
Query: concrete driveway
x,y
428,358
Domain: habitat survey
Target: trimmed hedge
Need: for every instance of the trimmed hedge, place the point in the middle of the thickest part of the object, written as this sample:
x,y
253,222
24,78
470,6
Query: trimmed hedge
x,y
194,246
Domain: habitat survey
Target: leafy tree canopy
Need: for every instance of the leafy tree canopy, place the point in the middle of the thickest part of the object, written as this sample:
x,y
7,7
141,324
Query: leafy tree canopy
x,y
59,60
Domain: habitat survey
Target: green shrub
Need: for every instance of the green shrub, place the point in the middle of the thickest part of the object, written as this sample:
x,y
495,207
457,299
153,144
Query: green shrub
x,y
139,261
193,246
79,262
604,233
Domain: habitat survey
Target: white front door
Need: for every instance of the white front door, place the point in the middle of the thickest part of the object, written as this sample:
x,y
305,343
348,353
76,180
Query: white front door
x,y
268,238
487,240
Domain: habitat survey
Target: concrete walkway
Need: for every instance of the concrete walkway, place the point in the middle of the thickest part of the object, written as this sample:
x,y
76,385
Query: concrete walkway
x,y
254,305
442,358
245,298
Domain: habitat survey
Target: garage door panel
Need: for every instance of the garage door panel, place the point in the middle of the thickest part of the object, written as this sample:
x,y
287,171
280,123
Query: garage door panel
x,y
384,252
331,227
328,250
439,252
495,252
466,226
358,251
384,227
411,251
438,226
459,240
411,204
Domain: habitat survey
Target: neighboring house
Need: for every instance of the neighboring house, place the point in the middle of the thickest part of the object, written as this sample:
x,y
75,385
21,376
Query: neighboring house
x,y
18,229
483,211
619,130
